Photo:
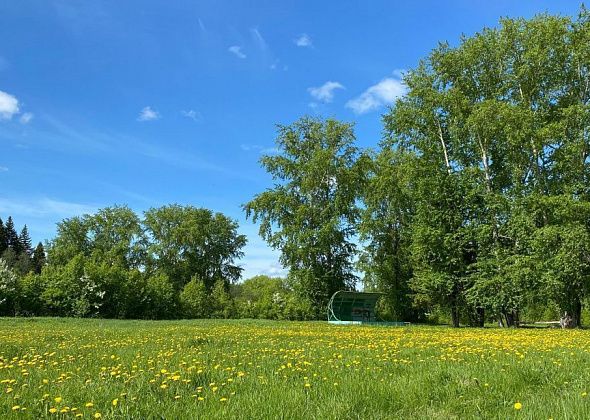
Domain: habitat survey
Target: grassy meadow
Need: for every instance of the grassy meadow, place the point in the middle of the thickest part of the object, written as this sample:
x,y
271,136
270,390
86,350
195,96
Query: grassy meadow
x,y
65,368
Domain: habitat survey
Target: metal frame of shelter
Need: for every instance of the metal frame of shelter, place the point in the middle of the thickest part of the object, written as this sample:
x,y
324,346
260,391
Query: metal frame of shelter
x,y
346,307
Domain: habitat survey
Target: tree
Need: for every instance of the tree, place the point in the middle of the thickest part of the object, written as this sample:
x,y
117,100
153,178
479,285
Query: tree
x,y
8,289
3,238
25,241
39,258
310,213
12,239
222,303
385,231
498,124
194,300
185,241
262,297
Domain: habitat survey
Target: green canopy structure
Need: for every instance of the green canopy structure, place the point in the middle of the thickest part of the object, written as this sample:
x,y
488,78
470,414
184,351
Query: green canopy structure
x,y
347,307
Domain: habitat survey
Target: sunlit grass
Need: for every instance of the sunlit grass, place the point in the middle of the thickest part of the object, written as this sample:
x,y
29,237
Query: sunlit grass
x,y
63,368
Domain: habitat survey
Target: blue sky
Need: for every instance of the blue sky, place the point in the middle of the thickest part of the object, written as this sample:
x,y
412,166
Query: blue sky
x,y
147,103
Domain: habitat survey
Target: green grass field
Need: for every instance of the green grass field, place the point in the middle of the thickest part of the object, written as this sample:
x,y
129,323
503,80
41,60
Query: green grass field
x,y
63,368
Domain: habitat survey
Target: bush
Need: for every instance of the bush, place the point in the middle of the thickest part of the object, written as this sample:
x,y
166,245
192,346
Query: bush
x,y
194,301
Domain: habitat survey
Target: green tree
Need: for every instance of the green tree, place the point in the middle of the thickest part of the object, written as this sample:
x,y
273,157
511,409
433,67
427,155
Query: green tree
x,y
12,239
222,303
25,241
3,238
39,258
186,241
194,299
310,214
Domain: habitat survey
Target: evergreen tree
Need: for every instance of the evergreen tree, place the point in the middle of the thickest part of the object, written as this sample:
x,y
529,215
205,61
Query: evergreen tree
x,y
25,241
3,238
39,258
12,239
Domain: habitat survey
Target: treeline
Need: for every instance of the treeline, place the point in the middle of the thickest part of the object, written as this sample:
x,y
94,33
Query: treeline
x,y
175,262
476,205
16,249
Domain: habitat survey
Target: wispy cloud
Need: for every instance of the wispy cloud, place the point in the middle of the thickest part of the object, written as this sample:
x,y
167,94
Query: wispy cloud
x,y
237,51
8,106
192,114
303,40
26,118
381,94
3,169
258,39
148,114
44,207
202,26
258,148
325,93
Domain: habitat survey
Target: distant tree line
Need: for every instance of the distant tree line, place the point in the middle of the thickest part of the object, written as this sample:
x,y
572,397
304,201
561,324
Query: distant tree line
x,y
175,262
474,208
16,249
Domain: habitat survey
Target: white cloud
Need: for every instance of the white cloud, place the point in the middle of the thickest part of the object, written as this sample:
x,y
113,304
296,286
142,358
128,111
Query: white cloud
x,y
304,40
148,114
383,93
3,169
325,93
26,118
8,106
237,51
192,114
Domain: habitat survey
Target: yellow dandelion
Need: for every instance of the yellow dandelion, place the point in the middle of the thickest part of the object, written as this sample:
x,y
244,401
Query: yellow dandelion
x,y
97,415
517,406
115,402
88,405
53,410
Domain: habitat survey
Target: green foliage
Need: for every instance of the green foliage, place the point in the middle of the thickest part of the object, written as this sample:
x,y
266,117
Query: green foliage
x,y
184,241
194,299
222,304
161,302
310,213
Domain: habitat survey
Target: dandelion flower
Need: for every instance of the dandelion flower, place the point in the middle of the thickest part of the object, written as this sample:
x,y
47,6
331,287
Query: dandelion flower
x,y
517,406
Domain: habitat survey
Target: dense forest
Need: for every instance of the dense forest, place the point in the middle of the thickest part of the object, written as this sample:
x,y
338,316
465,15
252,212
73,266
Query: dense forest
x,y
475,205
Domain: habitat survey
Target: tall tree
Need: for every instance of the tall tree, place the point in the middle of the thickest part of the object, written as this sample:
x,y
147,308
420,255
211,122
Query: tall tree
x,y
12,239
25,241
3,238
310,213
39,258
499,125
185,241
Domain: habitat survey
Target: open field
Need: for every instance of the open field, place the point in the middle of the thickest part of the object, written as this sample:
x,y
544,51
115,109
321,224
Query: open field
x,y
62,368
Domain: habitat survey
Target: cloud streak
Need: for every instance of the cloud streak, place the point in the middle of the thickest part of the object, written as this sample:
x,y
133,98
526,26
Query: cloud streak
x,y
44,207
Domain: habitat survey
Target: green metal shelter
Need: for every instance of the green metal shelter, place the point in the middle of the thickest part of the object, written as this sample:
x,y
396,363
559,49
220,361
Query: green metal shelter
x,y
347,307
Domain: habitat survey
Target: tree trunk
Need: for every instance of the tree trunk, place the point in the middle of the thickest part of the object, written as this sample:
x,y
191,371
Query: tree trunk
x,y
455,316
480,317
577,313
